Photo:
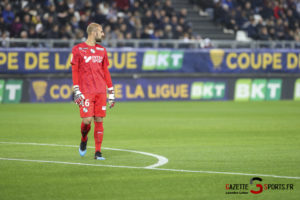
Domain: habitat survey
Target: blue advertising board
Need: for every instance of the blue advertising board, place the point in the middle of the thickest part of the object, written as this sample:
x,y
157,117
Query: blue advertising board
x,y
39,90
142,89
219,61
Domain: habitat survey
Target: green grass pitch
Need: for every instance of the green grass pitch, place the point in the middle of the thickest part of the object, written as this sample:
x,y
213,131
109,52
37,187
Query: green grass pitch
x,y
252,137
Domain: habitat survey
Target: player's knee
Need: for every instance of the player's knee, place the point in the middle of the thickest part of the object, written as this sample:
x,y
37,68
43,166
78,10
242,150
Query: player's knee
x,y
98,119
87,120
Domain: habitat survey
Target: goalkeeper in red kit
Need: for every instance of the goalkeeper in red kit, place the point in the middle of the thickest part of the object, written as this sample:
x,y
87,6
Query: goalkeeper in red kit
x,y
91,80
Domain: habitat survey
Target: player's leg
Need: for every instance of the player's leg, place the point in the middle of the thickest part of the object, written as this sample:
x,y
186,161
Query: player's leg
x,y
85,128
86,113
98,136
100,112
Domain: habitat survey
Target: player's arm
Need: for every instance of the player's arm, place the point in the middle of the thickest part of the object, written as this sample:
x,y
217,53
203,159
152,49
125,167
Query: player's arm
x,y
77,95
111,92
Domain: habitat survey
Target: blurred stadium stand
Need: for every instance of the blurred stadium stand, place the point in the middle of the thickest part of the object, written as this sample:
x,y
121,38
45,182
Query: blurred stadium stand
x,y
186,23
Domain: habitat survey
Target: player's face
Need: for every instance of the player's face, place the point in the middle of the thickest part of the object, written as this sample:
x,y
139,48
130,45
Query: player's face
x,y
99,34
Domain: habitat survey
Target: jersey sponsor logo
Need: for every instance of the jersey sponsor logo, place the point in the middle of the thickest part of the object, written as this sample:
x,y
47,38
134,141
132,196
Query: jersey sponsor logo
x,y
100,49
87,59
82,49
93,51
94,59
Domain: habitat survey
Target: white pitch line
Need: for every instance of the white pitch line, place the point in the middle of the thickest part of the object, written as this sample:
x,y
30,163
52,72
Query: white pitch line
x,y
161,160
159,169
70,163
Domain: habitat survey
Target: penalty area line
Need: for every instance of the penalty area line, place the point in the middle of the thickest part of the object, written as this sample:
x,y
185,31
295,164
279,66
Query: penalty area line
x,y
161,160
147,168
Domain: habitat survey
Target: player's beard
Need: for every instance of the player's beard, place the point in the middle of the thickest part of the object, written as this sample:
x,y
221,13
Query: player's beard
x,y
99,40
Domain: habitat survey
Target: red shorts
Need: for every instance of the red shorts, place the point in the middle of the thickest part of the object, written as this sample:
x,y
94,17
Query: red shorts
x,y
94,105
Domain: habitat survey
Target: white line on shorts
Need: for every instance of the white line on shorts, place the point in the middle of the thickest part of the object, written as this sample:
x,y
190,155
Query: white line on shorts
x,y
132,167
161,160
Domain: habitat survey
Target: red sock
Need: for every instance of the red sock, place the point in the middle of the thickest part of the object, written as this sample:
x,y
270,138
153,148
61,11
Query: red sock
x,y
85,128
98,135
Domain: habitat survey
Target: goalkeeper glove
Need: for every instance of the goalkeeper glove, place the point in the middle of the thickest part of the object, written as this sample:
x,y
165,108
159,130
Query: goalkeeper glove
x,y
111,97
77,95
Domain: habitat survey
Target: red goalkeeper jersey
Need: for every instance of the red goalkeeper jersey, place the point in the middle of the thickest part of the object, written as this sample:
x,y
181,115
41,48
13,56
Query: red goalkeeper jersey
x,y
90,68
